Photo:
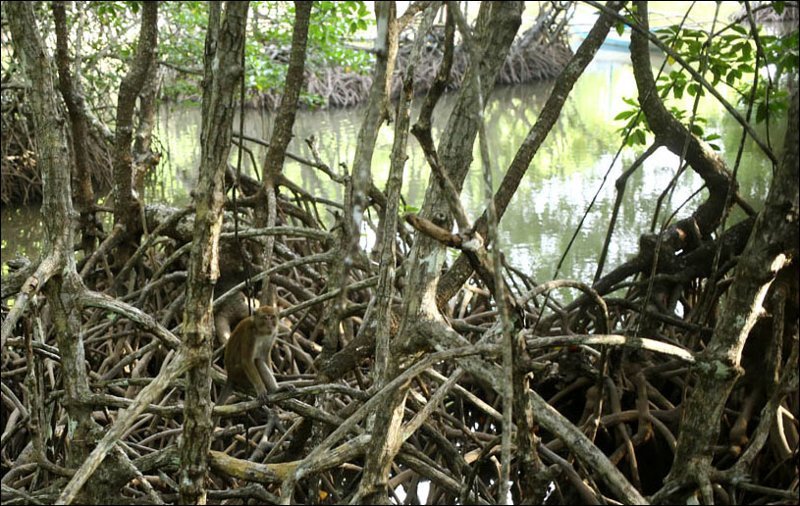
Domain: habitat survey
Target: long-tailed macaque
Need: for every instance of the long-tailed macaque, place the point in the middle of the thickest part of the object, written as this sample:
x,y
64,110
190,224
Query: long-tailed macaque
x,y
247,354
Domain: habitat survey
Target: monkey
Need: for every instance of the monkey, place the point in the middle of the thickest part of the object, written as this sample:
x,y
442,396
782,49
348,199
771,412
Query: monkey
x,y
229,313
247,354
247,358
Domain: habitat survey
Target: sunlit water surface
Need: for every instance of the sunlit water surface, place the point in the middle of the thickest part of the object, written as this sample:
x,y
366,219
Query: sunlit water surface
x,y
573,164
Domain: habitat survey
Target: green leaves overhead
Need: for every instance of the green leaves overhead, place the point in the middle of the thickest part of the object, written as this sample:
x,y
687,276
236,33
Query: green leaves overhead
x,y
636,123
109,32
731,60
332,25
728,58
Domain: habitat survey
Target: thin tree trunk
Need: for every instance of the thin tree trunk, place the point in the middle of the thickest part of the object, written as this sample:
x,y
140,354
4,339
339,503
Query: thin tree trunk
x,y
72,92
377,321
282,132
356,193
57,271
144,158
223,57
496,27
455,277
126,203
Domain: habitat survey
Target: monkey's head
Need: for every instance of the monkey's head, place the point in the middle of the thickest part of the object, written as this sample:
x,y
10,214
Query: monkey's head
x,y
265,318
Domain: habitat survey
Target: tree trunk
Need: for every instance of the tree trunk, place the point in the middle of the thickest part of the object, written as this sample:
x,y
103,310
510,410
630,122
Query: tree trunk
x,y
282,132
72,92
773,244
126,204
455,277
356,192
144,158
223,57
378,318
57,272
496,26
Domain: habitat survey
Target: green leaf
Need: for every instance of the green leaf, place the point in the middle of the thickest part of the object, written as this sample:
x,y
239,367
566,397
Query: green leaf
x,y
761,112
620,27
739,28
624,115
697,130
768,39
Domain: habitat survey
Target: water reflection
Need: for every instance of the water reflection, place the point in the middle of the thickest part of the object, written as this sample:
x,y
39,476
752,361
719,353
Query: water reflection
x,y
560,183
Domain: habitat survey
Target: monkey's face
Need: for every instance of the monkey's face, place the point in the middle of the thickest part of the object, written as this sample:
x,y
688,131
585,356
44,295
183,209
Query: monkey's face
x,y
264,323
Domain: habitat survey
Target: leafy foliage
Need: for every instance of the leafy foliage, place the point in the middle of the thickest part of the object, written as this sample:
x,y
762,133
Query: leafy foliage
x,y
726,58
106,34
269,40
332,23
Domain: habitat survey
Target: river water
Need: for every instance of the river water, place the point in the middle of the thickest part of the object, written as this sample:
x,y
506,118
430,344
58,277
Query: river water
x,y
569,169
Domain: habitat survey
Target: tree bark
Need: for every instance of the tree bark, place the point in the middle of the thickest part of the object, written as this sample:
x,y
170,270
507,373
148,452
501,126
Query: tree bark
x,y
377,320
57,206
126,203
282,132
359,185
676,137
57,271
72,92
773,243
144,158
223,57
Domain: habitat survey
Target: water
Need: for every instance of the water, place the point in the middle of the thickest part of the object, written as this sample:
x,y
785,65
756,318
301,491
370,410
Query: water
x,y
550,201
